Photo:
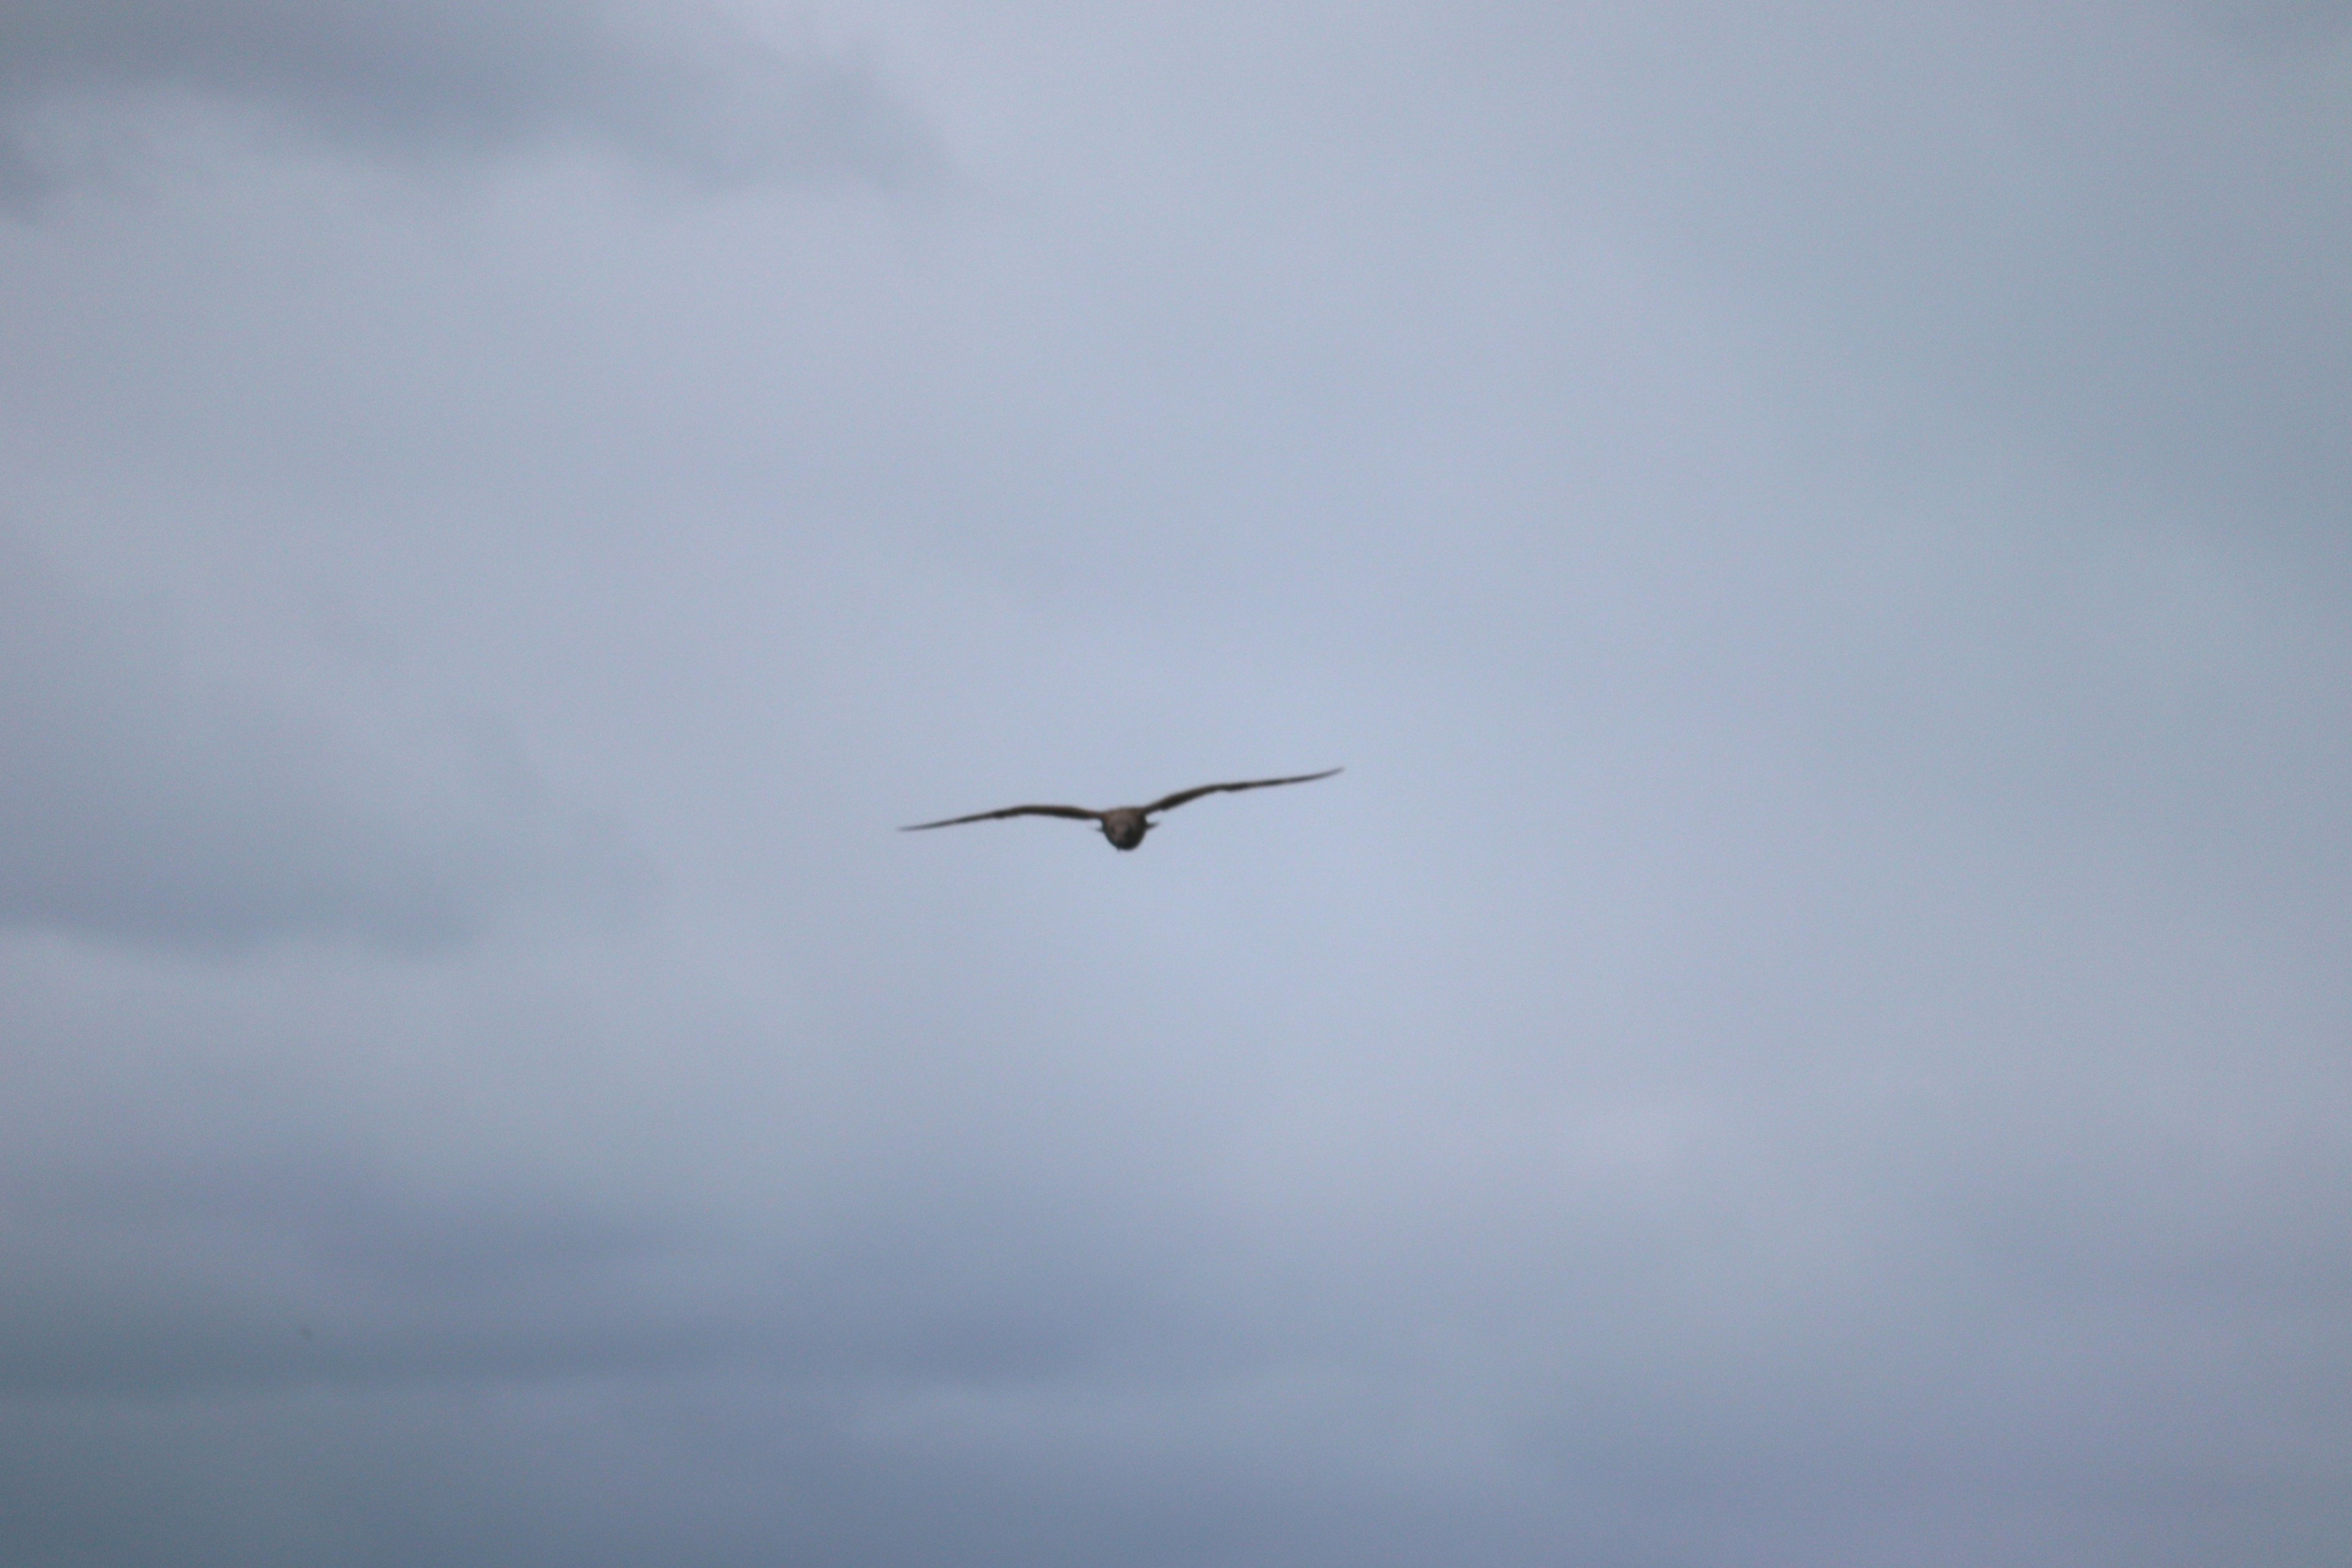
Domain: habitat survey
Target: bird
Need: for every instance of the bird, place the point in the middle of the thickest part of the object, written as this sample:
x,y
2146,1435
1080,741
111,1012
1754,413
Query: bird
x,y
1124,825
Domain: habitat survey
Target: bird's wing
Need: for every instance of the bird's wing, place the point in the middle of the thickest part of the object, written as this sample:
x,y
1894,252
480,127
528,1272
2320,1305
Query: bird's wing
x,y
1182,796
1080,812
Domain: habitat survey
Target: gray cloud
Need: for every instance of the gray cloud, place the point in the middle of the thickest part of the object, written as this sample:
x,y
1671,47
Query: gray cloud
x,y
447,78
2276,27
145,802
2112,237
1811,1030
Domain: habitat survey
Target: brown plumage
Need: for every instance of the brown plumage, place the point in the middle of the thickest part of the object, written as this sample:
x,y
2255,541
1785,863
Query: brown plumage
x,y
1124,825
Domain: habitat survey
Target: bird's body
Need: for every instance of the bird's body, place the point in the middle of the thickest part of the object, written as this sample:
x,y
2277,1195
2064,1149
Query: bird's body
x,y
1124,825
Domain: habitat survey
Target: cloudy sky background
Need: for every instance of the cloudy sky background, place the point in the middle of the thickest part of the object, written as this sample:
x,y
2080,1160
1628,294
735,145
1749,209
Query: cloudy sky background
x,y
1812,1031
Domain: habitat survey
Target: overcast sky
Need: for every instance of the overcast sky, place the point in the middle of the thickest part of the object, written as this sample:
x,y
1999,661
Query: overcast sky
x,y
1812,1030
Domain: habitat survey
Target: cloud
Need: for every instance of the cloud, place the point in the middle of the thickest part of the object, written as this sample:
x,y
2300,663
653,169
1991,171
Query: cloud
x,y
2107,236
443,78
1811,1033
146,803
2276,27
294,1268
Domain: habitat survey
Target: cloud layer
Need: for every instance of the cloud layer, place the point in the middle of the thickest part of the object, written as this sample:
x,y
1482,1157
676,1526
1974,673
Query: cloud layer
x,y
147,803
437,79
1809,1031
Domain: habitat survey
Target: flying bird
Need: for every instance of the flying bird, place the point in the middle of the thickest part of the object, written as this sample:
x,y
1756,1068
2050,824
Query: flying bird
x,y
1124,825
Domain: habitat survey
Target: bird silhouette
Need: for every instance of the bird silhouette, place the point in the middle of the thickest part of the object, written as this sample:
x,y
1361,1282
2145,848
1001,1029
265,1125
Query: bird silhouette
x,y
1124,825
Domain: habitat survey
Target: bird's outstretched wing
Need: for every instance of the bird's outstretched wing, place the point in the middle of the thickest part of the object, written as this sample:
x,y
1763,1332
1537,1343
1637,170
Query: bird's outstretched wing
x,y
1080,812
1182,796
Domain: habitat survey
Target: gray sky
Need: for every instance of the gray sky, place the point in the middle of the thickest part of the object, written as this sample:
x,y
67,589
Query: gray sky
x,y
1812,1030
